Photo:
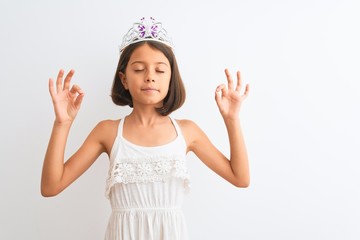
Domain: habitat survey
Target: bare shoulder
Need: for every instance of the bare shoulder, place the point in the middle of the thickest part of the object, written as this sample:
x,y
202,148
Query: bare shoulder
x,y
106,131
186,124
191,131
106,125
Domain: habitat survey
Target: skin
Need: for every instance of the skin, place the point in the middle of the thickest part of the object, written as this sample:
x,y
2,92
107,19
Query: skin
x,y
147,77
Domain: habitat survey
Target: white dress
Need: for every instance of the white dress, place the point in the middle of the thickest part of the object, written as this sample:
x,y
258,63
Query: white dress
x,y
146,186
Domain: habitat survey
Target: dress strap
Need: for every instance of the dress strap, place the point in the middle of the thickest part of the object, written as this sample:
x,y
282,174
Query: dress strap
x,y
177,127
121,127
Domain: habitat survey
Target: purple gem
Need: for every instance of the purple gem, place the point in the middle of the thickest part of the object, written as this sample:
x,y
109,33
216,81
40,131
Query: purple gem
x,y
141,28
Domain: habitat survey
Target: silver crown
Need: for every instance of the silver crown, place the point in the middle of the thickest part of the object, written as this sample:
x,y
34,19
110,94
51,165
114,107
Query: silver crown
x,y
146,30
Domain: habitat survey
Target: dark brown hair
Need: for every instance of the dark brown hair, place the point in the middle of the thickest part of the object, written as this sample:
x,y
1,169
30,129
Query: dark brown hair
x,y
175,97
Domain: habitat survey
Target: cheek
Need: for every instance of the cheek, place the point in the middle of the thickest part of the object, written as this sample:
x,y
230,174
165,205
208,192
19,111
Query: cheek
x,y
166,83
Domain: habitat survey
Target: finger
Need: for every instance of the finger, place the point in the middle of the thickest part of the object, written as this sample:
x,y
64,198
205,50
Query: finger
x,y
78,100
76,89
59,80
247,90
51,88
238,85
68,79
220,90
229,79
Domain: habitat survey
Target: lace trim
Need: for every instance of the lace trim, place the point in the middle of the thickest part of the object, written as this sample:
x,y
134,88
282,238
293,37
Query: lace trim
x,y
149,169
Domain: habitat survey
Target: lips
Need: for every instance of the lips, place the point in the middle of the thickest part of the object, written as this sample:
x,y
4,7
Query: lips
x,y
149,89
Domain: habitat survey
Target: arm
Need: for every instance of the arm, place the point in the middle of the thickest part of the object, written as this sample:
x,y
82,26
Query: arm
x,y
57,175
236,169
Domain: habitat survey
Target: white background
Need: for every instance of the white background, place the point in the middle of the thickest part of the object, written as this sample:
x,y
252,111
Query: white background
x,y
301,120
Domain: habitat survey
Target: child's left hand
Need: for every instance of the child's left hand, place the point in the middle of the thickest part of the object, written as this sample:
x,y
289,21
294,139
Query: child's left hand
x,y
228,99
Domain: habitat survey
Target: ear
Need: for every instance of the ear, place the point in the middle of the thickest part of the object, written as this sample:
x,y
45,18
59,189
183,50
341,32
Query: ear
x,y
123,80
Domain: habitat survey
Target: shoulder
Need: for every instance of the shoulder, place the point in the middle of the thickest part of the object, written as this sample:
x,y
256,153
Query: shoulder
x,y
186,124
105,132
107,124
106,128
191,131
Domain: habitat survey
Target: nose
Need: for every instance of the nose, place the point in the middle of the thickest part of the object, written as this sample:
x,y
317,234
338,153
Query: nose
x,y
150,77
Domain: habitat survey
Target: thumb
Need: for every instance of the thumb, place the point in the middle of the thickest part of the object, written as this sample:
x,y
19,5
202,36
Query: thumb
x,y
78,100
218,93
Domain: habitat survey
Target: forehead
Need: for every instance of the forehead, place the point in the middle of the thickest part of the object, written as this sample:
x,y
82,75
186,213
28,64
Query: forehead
x,y
148,55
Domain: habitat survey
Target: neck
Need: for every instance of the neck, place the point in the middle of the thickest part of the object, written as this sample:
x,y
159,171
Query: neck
x,y
145,116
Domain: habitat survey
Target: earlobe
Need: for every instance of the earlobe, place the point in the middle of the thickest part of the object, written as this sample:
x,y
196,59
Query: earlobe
x,y
123,80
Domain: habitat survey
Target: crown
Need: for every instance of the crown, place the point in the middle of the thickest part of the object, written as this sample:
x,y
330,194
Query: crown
x,y
146,30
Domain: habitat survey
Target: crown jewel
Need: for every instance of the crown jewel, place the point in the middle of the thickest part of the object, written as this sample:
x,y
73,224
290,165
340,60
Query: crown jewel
x,y
146,30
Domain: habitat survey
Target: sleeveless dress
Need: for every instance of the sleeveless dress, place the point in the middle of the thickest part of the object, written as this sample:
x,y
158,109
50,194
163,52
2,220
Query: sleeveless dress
x,y
146,186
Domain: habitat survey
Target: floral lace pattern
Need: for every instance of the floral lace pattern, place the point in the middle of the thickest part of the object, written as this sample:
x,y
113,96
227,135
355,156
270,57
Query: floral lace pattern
x,y
148,169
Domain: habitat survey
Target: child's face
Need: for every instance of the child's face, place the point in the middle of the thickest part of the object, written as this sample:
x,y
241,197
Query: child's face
x,y
147,76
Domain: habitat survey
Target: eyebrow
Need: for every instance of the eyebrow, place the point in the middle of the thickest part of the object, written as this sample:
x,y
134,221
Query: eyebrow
x,y
144,62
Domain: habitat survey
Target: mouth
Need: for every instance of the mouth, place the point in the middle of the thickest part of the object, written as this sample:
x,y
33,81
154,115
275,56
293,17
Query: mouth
x,y
149,89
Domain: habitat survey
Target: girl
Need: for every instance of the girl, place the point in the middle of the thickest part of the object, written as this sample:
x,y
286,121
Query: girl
x,y
147,149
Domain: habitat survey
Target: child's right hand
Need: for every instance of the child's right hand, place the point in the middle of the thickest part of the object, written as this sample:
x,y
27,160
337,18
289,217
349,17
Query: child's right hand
x,y
66,101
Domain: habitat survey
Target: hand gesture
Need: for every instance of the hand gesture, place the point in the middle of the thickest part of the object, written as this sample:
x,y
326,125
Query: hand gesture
x,y
228,99
66,101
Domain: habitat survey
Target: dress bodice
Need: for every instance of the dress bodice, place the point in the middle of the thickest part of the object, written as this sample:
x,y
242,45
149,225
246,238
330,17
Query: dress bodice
x,y
146,186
